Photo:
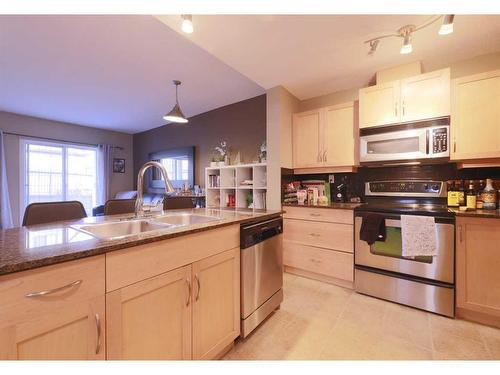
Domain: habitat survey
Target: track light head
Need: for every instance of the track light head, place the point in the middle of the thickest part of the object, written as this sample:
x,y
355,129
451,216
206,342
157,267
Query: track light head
x,y
447,26
373,47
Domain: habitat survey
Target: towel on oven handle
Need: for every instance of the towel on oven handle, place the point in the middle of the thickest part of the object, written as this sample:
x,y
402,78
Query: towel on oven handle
x,y
372,228
418,236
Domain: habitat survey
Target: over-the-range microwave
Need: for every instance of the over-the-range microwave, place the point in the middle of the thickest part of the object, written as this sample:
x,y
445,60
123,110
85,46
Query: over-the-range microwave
x,y
419,142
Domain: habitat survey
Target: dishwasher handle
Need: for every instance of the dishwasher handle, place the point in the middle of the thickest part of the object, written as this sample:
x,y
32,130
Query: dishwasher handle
x,y
253,234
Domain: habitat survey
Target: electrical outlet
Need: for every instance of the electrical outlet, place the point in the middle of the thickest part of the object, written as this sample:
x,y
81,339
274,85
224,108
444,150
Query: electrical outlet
x,y
331,178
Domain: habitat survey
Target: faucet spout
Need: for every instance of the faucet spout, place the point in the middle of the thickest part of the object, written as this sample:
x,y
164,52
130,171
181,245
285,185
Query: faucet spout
x,y
139,202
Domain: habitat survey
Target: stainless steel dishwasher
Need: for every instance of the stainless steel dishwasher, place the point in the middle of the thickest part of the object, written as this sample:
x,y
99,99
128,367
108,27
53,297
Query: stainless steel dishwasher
x,y
261,272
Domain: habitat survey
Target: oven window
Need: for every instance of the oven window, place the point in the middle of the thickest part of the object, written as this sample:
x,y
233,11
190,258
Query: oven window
x,y
393,146
392,246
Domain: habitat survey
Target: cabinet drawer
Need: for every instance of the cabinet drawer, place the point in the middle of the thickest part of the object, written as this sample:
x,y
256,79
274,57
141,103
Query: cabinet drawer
x,y
138,263
328,235
319,214
68,283
325,262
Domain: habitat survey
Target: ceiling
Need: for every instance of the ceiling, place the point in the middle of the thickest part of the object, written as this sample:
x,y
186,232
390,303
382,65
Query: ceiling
x,y
316,55
111,72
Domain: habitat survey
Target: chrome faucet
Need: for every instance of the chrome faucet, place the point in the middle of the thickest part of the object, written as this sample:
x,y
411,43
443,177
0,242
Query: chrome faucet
x,y
139,202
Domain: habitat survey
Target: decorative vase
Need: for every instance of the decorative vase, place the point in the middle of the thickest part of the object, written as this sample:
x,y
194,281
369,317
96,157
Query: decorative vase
x,y
226,159
221,163
214,164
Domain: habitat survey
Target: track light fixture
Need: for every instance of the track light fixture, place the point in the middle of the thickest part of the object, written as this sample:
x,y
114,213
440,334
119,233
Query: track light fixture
x,y
406,33
187,23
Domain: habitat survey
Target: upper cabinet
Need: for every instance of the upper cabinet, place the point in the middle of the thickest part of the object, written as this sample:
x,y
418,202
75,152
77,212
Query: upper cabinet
x,y
475,120
325,137
411,99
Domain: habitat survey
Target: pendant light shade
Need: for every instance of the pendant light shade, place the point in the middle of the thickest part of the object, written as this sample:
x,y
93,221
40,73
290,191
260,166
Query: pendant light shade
x,y
176,115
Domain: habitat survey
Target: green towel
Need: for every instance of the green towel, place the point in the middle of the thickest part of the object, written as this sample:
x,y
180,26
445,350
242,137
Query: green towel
x,y
391,247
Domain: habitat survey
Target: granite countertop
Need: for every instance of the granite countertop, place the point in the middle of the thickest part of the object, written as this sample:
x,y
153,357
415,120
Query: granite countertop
x,y
332,205
25,248
493,214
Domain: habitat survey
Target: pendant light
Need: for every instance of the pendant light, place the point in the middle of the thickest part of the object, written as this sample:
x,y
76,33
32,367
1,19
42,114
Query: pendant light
x,y
176,115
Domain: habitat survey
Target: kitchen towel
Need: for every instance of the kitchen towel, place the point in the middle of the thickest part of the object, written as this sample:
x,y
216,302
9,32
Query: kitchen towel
x,y
418,236
372,228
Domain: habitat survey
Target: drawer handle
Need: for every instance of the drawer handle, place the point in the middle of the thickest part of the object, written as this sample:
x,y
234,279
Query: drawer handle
x,y
98,328
315,261
55,290
313,214
189,292
314,234
199,287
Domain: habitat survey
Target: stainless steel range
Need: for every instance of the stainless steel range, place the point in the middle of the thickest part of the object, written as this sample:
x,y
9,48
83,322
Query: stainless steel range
x,y
424,282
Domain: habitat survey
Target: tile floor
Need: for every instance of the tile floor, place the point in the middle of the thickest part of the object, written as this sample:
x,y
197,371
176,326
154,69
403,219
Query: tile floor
x,y
322,321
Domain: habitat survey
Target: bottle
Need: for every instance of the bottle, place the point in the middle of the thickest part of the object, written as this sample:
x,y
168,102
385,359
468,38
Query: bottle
x,y
452,194
489,196
479,197
471,196
461,193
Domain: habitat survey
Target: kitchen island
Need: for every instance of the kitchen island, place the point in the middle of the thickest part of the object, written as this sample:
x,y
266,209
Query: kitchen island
x,y
169,293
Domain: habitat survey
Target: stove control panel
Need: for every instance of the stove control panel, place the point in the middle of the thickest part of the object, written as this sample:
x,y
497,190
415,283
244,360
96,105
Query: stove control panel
x,y
409,188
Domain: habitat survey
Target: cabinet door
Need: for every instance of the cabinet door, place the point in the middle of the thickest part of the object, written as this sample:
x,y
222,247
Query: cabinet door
x,y
475,126
338,135
152,318
478,262
425,96
76,332
379,105
306,148
216,305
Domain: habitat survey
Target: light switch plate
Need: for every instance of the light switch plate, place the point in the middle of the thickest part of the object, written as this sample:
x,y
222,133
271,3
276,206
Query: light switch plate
x,y
331,178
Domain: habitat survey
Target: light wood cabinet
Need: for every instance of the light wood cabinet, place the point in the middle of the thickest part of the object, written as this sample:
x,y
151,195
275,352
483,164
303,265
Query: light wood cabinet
x,y
66,321
325,137
151,319
379,105
478,265
318,243
216,303
306,139
475,120
415,98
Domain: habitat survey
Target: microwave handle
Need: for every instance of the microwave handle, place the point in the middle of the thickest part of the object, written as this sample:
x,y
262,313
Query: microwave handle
x,y
427,136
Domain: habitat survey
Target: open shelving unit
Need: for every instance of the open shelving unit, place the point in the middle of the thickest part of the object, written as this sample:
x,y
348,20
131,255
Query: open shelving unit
x,y
222,183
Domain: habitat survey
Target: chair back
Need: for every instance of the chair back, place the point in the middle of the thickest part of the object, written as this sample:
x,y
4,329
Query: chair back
x,y
119,206
174,203
48,212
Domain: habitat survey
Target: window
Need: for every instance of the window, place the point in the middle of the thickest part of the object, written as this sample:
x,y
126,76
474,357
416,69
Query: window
x,y
58,172
179,163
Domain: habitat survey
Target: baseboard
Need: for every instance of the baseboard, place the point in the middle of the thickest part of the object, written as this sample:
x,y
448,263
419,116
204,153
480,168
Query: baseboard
x,y
319,277
478,317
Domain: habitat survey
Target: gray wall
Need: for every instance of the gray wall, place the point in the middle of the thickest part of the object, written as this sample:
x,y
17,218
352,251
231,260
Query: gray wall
x,y
242,125
37,127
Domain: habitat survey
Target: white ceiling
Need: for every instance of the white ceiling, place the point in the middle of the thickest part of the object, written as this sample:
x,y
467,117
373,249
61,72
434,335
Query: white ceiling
x,y
316,55
111,72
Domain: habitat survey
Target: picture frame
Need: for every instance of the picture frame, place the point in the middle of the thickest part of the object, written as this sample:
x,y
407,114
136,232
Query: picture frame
x,y
118,165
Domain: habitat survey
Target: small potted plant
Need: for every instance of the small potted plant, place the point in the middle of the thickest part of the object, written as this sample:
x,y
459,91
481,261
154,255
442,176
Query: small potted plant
x,y
263,152
223,155
214,161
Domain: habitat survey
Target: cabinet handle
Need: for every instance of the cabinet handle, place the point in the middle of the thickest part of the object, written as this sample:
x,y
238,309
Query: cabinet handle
x,y
314,234
324,156
454,146
403,108
199,287
460,233
189,292
396,109
314,214
98,328
318,157
55,290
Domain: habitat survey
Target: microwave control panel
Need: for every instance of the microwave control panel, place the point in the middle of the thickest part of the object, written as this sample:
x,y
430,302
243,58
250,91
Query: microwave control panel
x,y
439,140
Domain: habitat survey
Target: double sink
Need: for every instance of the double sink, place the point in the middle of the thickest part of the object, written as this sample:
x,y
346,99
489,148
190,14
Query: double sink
x,y
132,226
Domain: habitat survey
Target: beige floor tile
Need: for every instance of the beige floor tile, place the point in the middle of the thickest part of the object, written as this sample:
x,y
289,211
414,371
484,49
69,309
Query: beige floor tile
x,y
491,337
443,326
449,346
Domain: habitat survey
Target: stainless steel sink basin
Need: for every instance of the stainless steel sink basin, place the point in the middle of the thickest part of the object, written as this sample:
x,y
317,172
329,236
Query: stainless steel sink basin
x,y
185,219
117,229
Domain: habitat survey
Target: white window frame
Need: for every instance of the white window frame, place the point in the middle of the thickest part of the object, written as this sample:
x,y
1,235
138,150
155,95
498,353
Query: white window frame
x,y
23,159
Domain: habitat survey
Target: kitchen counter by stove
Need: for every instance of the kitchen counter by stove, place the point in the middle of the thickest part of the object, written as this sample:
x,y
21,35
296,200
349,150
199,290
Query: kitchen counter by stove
x,y
333,205
493,214
36,246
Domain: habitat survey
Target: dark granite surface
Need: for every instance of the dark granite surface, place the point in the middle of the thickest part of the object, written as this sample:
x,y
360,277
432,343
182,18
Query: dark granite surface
x,y
493,214
333,205
25,248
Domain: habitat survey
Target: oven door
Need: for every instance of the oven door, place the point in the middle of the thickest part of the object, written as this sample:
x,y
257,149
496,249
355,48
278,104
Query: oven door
x,y
387,255
398,145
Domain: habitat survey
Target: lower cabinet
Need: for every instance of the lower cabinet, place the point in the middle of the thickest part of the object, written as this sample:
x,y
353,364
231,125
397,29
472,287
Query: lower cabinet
x,y
55,312
191,312
477,273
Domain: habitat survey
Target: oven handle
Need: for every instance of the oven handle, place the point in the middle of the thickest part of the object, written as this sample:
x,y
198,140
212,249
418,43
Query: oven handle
x,y
427,141
397,218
